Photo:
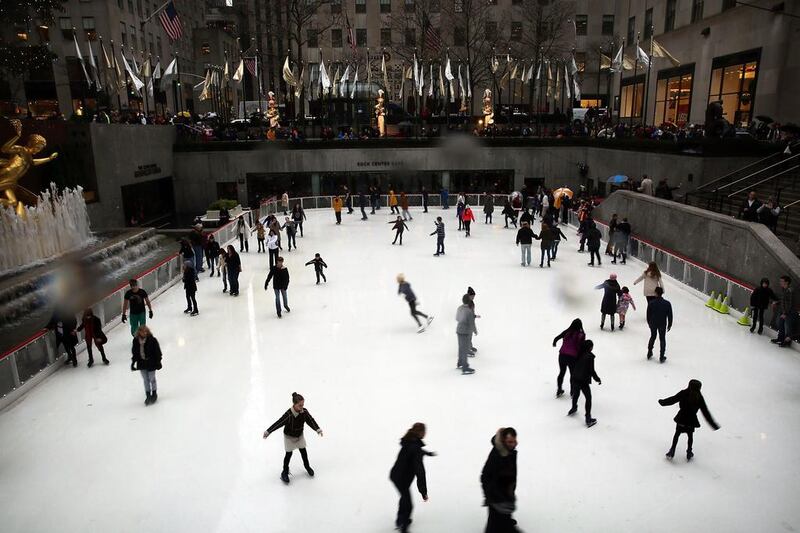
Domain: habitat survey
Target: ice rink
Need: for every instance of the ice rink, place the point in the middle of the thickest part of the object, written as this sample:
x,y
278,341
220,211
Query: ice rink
x,y
81,453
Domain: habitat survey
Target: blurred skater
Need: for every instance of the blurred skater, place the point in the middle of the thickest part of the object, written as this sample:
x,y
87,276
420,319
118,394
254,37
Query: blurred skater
x,y
65,326
690,400
488,208
404,288
465,329
293,422
408,466
499,482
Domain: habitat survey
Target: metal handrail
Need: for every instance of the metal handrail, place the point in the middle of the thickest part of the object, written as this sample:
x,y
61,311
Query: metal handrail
x,y
729,174
784,208
756,173
765,179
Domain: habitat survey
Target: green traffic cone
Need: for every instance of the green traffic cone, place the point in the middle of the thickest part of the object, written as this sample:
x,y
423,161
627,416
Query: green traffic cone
x,y
724,307
744,320
717,302
710,302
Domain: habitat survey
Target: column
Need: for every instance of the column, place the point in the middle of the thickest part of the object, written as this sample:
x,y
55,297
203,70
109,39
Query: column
x,y
314,184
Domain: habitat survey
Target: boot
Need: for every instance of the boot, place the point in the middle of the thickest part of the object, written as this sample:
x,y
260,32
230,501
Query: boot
x,y
149,399
309,469
689,455
285,476
670,454
91,362
649,354
590,422
153,397
559,393
105,361
572,411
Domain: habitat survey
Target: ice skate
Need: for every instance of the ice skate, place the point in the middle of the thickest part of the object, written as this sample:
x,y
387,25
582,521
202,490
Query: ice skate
x,y
590,422
285,476
572,411
670,454
689,455
467,370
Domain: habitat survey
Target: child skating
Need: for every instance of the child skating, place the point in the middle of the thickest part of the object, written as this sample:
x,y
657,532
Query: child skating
x,y
399,227
319,264
404,288
293,422
581,378
625,301
439,232
690,400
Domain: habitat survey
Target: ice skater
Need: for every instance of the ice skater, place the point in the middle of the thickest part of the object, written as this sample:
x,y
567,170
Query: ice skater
x,y
281,285
652,280
298,216
399,227
146,358
190,288
593,236
93,334
499,482
580,381
242,231
488,208
471,293
362,204
404,206
404,288
621,237
293,422
467,217
611,293
408,466
690,400
460,203
759,302
212,254
393,203
525,236
319,264
546,236
465,329
337,209
571,340
291,233
65,326
439,232
233,264
625,301
260,235
136,298
509,214
273,247
222,270
659,318
285,202
557,236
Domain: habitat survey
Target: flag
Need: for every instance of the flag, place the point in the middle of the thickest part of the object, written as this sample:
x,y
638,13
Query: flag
x,y
324,80
530,73
495,64
346,75
146,71
573,67
288,75
226,75
336,82
577,89
250,63
401,93
95,71
641,56
469,88
421,79
549,79
205,94
137,83
170,72
369,74
157,70
171,22
351,39
605,61
385,74
514,71
416,73
430,85
298,90
659,51
239,74
448,74
567,84
80,58
133,59
460,83
355,84
433,42
150,87
442,90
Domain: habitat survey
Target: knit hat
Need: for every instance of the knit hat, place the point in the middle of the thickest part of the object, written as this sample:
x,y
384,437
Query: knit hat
x,y
470,291
612,276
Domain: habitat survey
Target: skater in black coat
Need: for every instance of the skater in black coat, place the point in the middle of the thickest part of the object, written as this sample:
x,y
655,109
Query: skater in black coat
x,y
190,287
611,291
581,380
759,302
293,421
690,400
399,227
659,318
281,285
146,358
593,237
408,466
319,264
65,325
499,482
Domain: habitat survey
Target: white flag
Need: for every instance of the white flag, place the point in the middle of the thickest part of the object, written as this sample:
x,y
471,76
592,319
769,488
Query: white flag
x,y
573,67
430,85
616,64
416,73
495,64
577,89
469,87
336,83
460,83
239,74
355,84
171,72
448,74
385,75
442,91
288,75
567,84
137,83
95,71
345,75
324,80
157,70
539,72
660,51
421,87
80,58
641,56
298,90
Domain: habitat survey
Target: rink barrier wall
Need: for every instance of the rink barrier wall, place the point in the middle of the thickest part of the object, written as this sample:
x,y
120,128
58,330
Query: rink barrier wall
x,y
26,364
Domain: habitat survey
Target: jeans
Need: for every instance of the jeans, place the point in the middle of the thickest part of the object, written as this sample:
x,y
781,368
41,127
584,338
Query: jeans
x,y
233,279
554,249
261,247
211,262
278,294
545,252
407,214
300,227
198,257
399,233
136,320
224,274
338,217
464,345
363,213
292,238
488,219
661,331
319,274
500,523
149,378
525,254
439,245
424,204
191,302
786,327
758,319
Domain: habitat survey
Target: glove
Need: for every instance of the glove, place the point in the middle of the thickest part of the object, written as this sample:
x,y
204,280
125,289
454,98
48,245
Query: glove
x,y
319,432
660,402
124,318
150,314
554,344
266,286
266,434
133,367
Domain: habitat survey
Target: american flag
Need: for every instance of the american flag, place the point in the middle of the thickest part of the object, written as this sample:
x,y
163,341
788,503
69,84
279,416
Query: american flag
x,y
351,38
171,22
250,63
433,41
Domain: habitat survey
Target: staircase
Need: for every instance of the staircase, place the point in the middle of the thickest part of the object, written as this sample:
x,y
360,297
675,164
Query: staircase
x,y
776,176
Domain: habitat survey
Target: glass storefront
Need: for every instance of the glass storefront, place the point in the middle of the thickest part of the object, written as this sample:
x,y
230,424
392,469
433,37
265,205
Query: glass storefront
x,y
674,95
632,97
733,83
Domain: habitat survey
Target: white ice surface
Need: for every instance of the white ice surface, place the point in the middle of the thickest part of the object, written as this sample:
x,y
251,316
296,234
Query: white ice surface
x,y
81,453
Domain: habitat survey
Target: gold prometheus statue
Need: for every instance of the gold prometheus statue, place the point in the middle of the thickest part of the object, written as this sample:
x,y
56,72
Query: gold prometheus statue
x,y
19,162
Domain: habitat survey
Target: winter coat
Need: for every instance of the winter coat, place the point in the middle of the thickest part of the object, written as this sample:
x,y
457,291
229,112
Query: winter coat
x,y
404,202
622,234
293,425
392,199
409,465
93,323
558,234
233,262
439,231
405,289
290,227
525,235
186,252
593,236
465,318
319,264
546,235
467,215
152,354
189,280
571,343
659,313
399,225
611,290
499,474
650,283
646,187
749,211
786,303
526,217
213,249
761,297
690,402
281,276
625,301
69,325
241,226
488,207
298,215
583,372
337,205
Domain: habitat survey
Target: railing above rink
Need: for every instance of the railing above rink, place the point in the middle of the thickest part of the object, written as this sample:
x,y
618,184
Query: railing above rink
x,y
24,365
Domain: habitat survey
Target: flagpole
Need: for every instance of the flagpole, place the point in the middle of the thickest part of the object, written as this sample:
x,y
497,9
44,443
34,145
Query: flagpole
x,y
446,101
105,71
635,70
178,86
116,76
156,12
647,78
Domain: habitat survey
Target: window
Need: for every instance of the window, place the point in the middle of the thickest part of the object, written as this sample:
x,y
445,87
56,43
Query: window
x,y
490,30
631,30
205,48
312,39
139,7
459,36
580,61
336,7
130,6
410,6
336,38
669,17
697,10
458,6
386,36
648,23
121,4
88,28
435,6
122,34
728,4
516,31
733,84
361,6
65,25
361,37
411,37
581,24
674,95
386,6
632,97
608,25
